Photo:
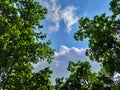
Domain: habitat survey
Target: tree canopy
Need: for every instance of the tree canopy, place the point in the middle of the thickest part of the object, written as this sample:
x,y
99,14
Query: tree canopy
x,y
103,34
21,45
83,78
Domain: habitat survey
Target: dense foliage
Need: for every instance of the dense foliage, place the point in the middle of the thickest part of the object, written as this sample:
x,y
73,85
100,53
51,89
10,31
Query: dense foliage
x,y
82,78
104,38
21,45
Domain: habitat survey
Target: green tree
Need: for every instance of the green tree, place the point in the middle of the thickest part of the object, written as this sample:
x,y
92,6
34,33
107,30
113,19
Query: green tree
x,y
21,45
40,80
82,78
103,33
59,83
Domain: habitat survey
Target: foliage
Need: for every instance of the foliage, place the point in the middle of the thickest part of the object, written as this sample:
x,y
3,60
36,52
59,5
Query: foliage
x,y
21,45
115,7
82,78
79,78
59,83
40,80
103,33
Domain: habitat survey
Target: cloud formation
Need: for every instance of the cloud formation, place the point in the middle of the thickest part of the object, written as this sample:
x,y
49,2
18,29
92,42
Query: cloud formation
x,y
62,57
69,17
66,54
56,14
53,14
71,53
74,54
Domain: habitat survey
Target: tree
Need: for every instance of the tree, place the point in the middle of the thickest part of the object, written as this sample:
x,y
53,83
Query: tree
x,y
40,80
59,83
80,75
103,33
115,7
82,78
21,45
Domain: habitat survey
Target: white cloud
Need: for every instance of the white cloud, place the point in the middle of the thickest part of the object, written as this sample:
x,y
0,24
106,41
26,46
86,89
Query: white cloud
x,y
62,51
53,14
66,54
69,17
40,65
62,57
74,54
56,14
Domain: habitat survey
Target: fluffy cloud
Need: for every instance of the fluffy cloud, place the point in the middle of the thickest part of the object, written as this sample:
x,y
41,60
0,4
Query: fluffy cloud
x,y
69,17
53,14
61,60
66,54
71,53
56,14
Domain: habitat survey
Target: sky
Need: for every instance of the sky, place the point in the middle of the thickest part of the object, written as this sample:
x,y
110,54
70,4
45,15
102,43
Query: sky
x,y
60,24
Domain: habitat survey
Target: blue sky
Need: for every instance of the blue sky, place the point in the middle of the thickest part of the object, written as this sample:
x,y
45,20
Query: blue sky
x,y
60,25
